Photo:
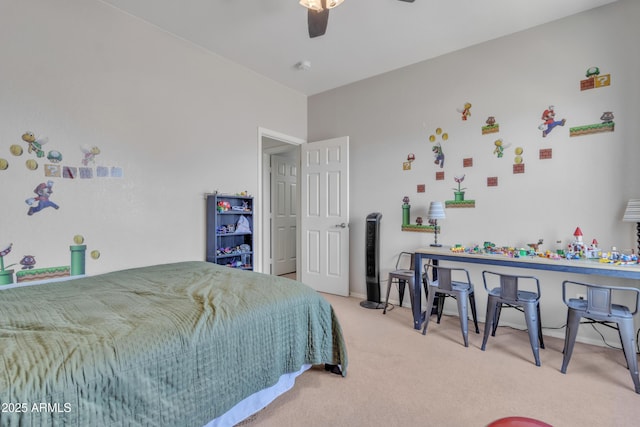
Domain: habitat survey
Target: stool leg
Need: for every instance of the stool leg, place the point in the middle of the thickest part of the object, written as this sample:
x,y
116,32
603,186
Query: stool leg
x,y
540,327
531,318
498,310
573,322
488,326
474,314
401,284
427,316
464,320
441,298
386,301
629,347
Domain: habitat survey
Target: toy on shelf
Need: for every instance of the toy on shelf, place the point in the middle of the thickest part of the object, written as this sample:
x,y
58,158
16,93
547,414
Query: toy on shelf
x,y
223,206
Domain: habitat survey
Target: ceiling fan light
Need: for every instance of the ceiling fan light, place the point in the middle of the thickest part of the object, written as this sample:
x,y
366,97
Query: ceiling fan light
x,y
312,4
333,3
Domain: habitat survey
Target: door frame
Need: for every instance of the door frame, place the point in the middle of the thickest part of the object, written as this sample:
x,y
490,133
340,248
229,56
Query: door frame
x,y
261,260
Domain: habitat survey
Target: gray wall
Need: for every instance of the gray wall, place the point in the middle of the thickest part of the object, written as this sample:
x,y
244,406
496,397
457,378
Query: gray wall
x,y
178,120
586,184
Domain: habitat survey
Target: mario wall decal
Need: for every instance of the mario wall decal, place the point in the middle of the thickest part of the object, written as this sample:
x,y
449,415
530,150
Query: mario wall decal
x,y
43,192
549,121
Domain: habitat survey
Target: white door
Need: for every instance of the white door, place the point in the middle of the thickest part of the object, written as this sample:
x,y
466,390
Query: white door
x,y
284,191
324,216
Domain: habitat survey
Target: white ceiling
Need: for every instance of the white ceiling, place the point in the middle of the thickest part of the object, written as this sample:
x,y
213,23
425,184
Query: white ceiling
x,y
364,37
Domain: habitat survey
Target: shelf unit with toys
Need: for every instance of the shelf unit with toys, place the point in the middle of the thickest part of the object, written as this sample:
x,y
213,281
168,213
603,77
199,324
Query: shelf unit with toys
x,y
230,230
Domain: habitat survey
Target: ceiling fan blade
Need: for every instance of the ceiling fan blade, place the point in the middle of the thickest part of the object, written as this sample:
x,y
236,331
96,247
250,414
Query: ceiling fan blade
x,y
317,22
408,1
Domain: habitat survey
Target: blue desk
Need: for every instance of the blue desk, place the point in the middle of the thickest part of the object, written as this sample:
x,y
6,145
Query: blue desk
x,y
537,263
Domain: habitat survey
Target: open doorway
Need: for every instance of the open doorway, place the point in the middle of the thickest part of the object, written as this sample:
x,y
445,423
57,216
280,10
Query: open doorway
x,y
277,222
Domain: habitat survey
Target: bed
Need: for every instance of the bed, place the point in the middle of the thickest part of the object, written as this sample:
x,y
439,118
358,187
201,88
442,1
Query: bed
x,y
175,344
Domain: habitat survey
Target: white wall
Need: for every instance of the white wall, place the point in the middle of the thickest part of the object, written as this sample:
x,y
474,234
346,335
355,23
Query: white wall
x,y
587,182
179,121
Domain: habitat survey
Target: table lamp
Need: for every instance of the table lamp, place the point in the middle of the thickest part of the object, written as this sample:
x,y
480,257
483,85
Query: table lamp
x,y
632,214
436,212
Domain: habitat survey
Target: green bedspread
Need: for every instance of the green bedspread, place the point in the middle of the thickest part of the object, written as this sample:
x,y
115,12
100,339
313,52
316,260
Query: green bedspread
x,y
168,345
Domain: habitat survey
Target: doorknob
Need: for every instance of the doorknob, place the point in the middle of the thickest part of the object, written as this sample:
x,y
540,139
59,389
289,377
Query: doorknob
x,y
342,225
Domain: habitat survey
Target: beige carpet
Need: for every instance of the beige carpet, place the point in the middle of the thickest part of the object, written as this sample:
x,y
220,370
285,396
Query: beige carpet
x,y
398,377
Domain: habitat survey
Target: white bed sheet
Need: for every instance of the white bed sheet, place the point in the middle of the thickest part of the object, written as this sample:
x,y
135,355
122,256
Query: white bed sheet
x,y
257,401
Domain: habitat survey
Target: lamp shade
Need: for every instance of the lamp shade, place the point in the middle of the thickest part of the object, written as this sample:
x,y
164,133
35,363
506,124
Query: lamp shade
x,y
436,211
312,4
317,4
632,213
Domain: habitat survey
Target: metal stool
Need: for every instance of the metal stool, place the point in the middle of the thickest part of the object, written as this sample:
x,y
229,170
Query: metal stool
x,y
461,290
401,276
598,308
509,294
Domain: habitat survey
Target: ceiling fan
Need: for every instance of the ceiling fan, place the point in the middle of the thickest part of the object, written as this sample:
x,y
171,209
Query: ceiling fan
x,y
318,14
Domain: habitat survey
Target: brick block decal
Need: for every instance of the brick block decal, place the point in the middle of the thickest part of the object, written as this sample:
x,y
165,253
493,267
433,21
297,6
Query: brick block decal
x,y
518,168
546,153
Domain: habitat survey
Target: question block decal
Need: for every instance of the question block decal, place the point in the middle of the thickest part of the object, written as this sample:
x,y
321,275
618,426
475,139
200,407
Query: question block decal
x,y
595,82
54,171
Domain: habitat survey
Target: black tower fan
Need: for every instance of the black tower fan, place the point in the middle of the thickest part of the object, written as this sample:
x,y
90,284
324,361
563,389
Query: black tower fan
x,y
372,261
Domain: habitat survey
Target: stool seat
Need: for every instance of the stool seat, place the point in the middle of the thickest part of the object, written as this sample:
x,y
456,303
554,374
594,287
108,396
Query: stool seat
x,y
521,296
406,274
617,310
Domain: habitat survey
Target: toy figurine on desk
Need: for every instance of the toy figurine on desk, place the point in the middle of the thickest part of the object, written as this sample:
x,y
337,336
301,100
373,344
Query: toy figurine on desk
x,y
592,251
535,246
575,249
615,257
